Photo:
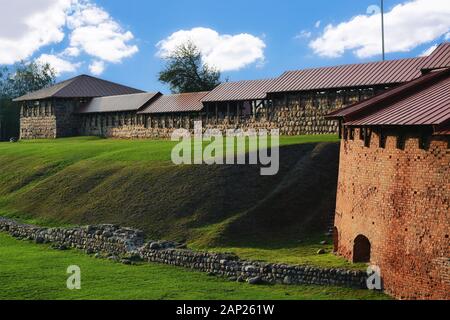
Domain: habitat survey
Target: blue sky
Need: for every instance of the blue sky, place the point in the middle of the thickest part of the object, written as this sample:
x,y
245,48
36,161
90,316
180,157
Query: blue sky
x,y
283,32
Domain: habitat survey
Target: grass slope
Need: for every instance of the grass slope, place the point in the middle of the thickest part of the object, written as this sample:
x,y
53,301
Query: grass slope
x,y
30,271
133,183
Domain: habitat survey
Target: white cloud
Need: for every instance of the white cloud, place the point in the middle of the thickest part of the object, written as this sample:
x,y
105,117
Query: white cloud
x,y
71,52
97,34
97,67
407,25
58,64
447,36
317,24
29,26
26,26
225,52
429,51
304,34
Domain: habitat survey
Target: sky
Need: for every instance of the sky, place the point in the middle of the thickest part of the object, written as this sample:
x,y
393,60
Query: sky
x,y
126,41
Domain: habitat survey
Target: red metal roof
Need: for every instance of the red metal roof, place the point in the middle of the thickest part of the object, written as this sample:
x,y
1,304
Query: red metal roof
x,y
444,131
128,102
440,58
240,91
82,86
348,76
184,102
424,101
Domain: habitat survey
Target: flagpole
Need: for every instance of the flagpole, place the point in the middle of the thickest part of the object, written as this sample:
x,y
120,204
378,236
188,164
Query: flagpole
x,y
382,28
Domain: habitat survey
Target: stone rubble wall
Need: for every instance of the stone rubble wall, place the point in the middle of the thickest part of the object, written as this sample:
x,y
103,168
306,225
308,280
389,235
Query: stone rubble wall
x,y
118,242
292,114
104,238
48,119
38,127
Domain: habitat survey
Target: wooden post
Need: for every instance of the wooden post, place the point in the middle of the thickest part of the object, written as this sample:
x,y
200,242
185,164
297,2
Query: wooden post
x,y
217,111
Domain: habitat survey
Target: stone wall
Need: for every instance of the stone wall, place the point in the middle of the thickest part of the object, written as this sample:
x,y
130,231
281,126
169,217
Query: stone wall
x,y
48,119
304,113
38,127
67,123
127,245
397,194
293,114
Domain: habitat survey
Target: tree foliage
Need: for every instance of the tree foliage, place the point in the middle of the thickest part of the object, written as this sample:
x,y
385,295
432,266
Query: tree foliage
x,y
186,72
23,78
15,82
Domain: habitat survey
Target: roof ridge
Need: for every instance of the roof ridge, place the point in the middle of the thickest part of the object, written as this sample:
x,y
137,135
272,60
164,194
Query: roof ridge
x,y
184,93
127,94
250,80
354,64
104,80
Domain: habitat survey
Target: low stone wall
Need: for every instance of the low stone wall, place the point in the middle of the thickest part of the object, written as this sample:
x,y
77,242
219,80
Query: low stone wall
x,y
234,269
105,238
122,243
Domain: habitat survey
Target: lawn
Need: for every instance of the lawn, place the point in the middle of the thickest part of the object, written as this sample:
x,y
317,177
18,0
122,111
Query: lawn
x,y
30,271
89,180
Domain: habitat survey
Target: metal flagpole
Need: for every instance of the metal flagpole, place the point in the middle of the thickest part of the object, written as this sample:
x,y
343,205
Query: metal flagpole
x,y
382,28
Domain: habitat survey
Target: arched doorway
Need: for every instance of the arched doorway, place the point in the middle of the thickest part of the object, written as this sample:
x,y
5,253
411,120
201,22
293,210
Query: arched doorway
x,y
335,239
361,249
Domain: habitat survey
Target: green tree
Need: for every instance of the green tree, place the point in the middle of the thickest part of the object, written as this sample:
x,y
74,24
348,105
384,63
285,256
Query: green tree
x,y
186,72
15,82
25,77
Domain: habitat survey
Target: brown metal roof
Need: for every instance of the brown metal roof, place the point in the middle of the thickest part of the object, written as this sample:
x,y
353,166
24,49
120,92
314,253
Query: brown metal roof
x,y
443,131
82,86
424,101
380,98
240,91
348,76
128,102
183,102
440,58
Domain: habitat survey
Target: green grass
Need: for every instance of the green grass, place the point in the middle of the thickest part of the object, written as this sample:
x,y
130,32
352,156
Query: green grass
x,y
303,253
30,271
88,180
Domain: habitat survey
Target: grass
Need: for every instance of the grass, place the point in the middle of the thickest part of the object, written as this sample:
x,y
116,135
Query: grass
x,y
35,272
88,180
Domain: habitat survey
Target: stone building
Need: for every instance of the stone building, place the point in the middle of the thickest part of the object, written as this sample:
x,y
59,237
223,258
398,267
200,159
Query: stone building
x,y
393,199
50,112
296,103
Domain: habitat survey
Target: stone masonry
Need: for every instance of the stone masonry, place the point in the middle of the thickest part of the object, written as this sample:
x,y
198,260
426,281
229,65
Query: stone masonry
x,y
127,245
398,197
292,114
49,119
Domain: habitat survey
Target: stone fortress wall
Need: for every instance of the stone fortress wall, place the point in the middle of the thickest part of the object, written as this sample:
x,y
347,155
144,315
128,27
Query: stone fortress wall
x,y
49,119
127,246
292,114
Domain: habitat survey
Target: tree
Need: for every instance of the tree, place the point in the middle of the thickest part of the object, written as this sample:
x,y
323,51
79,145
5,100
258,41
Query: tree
x,y
186,72
15,82
24,78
